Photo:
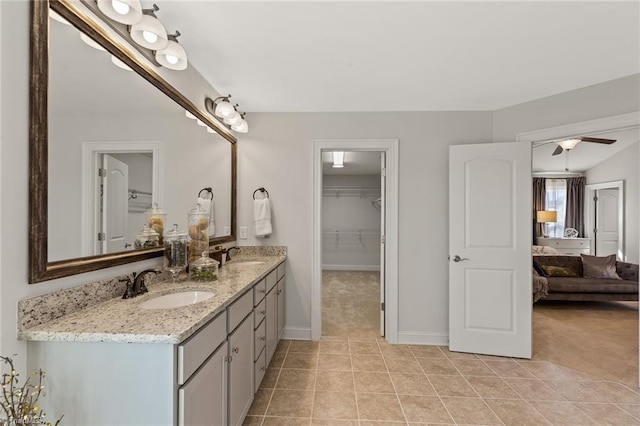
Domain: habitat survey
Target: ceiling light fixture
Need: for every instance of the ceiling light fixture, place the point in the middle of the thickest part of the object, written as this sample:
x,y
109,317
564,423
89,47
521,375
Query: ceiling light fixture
x,y
338,159
568,144
128,12
173,56
222,108
149,32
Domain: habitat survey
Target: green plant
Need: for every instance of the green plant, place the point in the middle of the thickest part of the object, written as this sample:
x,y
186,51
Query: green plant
x,y
20,402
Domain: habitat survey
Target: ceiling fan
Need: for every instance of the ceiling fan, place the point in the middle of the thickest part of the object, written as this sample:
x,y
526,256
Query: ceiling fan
x,y
569,144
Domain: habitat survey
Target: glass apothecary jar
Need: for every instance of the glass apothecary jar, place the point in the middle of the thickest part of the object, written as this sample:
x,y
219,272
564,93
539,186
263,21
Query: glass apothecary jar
x,y
203,269
175,251
156,218
147,238
198,220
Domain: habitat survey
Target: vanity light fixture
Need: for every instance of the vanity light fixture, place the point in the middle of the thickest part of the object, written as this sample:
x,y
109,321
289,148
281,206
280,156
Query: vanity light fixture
x,y
200,122
149,32
233,119
118,63
242,126
173,56
338,159
189,115
210,130
224,108
91,42
126,12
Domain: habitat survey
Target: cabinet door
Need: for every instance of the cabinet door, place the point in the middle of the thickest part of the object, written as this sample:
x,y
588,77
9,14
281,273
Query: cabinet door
x,y
272,323
280,289
203,400
241,370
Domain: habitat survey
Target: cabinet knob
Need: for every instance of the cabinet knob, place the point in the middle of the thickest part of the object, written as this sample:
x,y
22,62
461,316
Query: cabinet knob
x,y
262,291
263,369
235,350
279,292
263,338
263,313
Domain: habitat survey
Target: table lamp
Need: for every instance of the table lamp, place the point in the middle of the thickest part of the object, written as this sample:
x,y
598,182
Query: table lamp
x,y
546,216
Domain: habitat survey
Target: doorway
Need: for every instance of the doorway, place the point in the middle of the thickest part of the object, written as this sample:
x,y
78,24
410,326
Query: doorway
x,y
352,213
605,219
335,239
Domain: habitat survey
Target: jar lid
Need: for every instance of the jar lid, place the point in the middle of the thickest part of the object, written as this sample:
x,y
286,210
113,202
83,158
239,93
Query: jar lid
x,y
155,210
148,232
174,233
205,261
198,210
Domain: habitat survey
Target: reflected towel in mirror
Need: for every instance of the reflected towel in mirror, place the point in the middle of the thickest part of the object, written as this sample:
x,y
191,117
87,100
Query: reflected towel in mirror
x,y
262,217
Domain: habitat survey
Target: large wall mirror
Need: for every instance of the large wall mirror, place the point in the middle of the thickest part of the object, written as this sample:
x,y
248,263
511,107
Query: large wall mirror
x,y
89,118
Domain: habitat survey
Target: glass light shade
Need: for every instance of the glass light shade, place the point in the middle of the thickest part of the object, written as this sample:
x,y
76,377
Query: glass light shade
x,y
117,62
200,122
241,127
224,109
189,115
569,143
150,33
210,130
128,12
56,17
338,159
173,56
91,42
233,119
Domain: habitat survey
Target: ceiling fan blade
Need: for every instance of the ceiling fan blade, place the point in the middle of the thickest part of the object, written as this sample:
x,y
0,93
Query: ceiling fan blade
x,y
598,140
558,150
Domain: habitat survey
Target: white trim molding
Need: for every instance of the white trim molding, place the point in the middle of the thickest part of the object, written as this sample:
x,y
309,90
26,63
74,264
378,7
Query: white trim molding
x,y
297,333
592,127
421,338
390,148
350,267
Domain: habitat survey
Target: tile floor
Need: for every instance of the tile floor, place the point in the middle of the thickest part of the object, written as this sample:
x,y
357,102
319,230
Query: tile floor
x,y
366,381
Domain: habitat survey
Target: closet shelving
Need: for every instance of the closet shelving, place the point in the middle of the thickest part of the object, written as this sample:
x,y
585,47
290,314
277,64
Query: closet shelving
x,y
351,191
346,234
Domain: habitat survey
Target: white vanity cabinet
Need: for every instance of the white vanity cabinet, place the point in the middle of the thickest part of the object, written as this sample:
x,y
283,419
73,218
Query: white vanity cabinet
x,y
209,378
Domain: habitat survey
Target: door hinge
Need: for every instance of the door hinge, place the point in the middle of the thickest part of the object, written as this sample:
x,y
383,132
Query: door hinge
x,y
383,171
383,240
102,173
595,198
382,306
228,358
102,236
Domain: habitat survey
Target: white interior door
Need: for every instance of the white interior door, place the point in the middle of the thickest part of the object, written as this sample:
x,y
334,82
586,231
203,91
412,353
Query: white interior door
x,y
115,191
607,217
490,249
383,185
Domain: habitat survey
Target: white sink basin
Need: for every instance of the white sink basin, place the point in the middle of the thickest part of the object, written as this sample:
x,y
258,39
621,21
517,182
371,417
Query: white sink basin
x,y
175,300
248,262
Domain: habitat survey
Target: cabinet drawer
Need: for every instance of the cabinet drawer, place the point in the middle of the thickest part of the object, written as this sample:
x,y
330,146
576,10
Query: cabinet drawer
x,y
259,291
260,337
197,348
281,269
259,313
260,368
272,279
239,309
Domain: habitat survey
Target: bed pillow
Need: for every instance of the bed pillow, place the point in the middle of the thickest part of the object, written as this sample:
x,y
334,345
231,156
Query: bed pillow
x,y
559,271
599,266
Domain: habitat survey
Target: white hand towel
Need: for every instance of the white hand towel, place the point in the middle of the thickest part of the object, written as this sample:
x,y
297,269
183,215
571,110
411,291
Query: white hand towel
x,y
207,205
262,217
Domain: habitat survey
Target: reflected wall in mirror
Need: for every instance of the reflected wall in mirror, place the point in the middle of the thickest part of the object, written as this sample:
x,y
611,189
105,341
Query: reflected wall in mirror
x,y
104,117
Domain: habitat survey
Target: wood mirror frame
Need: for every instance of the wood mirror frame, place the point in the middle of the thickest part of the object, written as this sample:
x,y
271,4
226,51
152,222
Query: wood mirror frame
x,y
40,269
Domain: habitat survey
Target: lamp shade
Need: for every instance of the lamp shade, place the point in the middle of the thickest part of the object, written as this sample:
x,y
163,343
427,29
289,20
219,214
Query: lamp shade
x,y
241,127
224,109
546,216
172,56
128,12
150,33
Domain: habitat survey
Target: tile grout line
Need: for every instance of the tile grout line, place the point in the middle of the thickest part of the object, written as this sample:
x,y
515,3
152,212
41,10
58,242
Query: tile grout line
x,y
266,410
404,414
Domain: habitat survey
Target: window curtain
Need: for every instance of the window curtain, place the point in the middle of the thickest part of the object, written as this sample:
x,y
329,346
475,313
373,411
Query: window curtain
x,y
538,204
574,216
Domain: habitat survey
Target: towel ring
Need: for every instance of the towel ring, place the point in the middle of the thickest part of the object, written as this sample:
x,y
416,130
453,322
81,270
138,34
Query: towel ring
x,y
264,191
207,189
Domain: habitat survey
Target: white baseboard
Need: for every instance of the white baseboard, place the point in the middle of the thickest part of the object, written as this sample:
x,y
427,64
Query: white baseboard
x,y
420,338
297,333
350,267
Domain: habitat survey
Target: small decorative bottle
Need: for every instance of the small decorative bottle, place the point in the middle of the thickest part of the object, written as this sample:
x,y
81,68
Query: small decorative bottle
x,y
204,269
147,238
156,218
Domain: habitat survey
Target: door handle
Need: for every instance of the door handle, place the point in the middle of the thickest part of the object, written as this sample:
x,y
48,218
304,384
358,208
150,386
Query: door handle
x,y
457,258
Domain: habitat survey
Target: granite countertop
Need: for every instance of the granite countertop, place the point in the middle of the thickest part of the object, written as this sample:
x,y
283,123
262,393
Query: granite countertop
x,y
124,321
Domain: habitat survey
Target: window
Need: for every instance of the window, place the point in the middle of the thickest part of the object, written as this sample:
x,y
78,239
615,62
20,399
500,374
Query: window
x,y
556,199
